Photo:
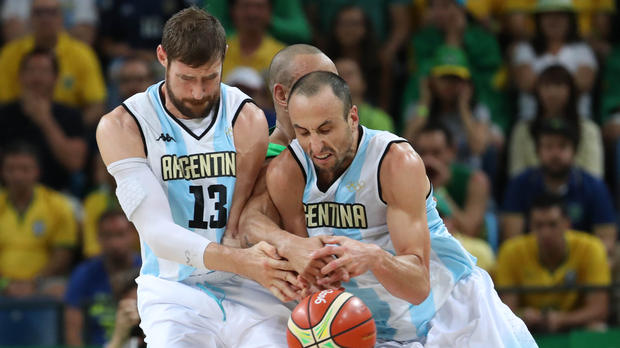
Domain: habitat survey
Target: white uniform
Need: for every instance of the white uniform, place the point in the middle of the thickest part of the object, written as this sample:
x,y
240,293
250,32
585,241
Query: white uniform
x,y
353,207
182,306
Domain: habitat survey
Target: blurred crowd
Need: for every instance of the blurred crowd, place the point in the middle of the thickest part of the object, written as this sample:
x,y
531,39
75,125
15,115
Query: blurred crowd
x,y
514,106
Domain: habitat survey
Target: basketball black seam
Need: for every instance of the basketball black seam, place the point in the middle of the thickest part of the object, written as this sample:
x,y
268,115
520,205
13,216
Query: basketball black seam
x,y
310,322
345,331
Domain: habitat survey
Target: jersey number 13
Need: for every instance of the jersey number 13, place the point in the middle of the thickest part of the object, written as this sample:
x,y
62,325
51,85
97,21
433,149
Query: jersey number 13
x,y
218,221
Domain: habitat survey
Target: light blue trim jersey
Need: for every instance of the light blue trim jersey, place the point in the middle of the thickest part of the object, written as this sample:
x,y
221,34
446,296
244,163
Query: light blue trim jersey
x,y
196,171
352,206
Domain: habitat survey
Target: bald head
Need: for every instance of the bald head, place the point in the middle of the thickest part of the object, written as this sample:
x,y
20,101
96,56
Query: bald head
x,y
295,61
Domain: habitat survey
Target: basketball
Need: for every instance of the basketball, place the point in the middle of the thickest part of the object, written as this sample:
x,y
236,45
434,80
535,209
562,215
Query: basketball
x,y
331,318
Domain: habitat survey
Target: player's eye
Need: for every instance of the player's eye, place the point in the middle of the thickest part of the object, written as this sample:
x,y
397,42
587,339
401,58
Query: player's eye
x,y
324,130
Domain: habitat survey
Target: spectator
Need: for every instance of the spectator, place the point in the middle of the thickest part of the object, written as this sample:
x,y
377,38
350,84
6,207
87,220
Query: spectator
x,y
351,36
554,256
516,23
90,287
464,191
253,84
556,41
556,97
37,227
97,202
55,129
251,45
596,26
588,201
134,27
371,117
132,75
450,24
80,18
127,333
288,20
448,98
80,82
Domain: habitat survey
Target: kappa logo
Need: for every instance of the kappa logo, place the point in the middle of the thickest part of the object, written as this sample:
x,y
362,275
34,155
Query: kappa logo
x,y
165,137
355,186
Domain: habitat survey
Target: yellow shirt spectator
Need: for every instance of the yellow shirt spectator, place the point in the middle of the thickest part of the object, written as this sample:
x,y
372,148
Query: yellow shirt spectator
x,y
586,264
80,81
27,241
259,60
95,204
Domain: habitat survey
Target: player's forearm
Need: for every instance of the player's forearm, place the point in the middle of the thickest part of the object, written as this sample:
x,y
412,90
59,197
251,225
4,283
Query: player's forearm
x,y
256,226
404,276
219,257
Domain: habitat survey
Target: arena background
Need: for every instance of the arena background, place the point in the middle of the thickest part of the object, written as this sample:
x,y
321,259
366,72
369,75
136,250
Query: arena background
x,y
412,65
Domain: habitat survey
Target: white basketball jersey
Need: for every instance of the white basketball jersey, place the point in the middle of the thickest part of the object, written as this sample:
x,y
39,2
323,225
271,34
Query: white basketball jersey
x,y
196,171
352,206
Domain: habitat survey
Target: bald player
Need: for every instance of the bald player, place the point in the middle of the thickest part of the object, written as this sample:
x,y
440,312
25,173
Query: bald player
x,y
260,219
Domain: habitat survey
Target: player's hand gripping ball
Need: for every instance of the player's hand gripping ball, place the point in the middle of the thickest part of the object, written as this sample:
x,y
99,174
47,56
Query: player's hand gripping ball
x,y
331,318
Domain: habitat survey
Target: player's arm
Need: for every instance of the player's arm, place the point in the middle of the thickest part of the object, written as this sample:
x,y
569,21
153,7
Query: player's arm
x,y
145,204
251,136
404,188
285,186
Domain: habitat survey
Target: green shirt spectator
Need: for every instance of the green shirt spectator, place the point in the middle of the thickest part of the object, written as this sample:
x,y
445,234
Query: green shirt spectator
x,y
288,20
451,26
374,118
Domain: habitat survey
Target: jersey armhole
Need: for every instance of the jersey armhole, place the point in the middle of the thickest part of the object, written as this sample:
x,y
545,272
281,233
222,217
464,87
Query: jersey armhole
x,y
301,167
387,148
146,153
240,107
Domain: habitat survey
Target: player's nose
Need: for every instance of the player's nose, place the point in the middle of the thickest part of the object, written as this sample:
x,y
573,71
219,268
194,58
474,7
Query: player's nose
x,y
316,144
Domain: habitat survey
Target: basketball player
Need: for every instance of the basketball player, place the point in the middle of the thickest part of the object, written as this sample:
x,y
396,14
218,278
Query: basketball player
x,y
260,219
365,195
185,155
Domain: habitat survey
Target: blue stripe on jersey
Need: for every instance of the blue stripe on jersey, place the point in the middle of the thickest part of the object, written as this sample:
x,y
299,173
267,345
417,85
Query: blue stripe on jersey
x,y
180,199
422,314
345,193
379,308
150,265
448,249
222,141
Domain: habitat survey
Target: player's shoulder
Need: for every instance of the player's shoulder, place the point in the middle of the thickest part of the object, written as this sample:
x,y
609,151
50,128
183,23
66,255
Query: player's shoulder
x,y
400,157
119,120
284,167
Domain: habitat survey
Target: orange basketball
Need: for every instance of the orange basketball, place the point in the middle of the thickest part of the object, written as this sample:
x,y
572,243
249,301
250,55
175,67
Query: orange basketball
x,y
331,318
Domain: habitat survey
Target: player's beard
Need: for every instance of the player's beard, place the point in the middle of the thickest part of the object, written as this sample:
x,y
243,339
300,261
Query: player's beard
x,y
180,104
341,162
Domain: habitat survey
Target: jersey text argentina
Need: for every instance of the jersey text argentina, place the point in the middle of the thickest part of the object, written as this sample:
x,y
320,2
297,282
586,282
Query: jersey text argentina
x,y
353,207
196,171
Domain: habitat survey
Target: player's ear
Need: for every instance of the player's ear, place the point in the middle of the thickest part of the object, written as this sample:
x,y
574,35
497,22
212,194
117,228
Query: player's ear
x,y
162,57
353,117
279,94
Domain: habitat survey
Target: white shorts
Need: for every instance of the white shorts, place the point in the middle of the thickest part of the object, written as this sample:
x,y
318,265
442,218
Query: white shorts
x,y
474,316
174,315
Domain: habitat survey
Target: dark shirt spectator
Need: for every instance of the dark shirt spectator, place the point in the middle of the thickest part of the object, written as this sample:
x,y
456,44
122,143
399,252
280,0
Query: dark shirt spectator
x,y
587,199
56,130
90,286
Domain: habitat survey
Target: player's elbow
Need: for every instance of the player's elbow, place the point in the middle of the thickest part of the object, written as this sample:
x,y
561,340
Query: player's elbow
x,y
420,292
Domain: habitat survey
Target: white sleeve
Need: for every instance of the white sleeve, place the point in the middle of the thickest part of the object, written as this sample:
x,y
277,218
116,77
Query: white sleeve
x,y
16,9
144,202
523,53
85,12
584,55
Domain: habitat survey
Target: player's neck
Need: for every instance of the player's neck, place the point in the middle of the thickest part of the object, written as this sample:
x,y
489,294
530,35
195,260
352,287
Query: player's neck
x,y
283,134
